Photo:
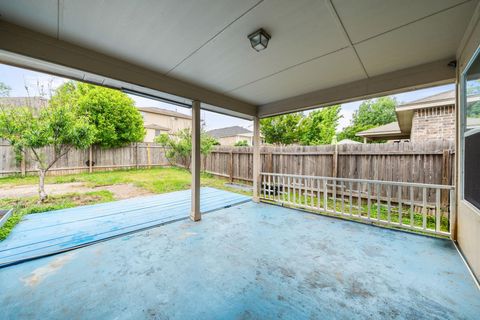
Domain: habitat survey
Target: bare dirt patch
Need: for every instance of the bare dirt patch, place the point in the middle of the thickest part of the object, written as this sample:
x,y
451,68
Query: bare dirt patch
x,y
124,191
120,191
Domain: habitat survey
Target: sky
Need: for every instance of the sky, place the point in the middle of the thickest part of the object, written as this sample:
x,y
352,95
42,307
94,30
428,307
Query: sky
x,y
27,83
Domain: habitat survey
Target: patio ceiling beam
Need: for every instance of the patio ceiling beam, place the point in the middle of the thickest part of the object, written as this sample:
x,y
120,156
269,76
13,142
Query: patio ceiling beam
x,y
28,43
426,75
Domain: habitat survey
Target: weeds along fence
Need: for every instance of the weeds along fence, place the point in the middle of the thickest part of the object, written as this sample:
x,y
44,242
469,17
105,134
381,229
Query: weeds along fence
x,y
428,162
140,155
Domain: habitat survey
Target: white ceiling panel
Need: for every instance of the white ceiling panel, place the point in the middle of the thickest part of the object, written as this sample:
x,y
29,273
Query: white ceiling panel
x,y
300,30
331,70
366,18
154,34
39,15
431,39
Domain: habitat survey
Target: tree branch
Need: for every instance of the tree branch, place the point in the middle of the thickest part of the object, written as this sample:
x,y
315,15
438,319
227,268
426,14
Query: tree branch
x,y
59,156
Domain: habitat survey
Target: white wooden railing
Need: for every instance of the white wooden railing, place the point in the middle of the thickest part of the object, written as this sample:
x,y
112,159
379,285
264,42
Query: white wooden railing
x,y
427,208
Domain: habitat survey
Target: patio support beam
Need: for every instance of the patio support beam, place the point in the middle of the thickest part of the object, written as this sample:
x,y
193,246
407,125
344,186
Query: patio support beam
x,y
29,49
421,76
195,214
256,159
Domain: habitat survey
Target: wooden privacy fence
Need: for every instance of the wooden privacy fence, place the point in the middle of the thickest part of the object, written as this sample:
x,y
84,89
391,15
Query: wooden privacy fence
x,y
429,162
140,155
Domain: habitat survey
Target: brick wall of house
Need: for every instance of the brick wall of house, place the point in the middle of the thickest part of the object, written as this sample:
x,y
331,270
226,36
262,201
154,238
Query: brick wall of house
x,y
433,124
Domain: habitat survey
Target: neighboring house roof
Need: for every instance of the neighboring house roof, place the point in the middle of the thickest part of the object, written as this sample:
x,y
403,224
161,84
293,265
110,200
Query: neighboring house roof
x,y
229,132
32,102
387,131
164,112
440,99
402,127
156,127
348,141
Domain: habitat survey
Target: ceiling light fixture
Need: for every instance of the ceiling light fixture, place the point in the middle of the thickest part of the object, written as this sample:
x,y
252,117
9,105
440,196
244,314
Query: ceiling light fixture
x,y
259,39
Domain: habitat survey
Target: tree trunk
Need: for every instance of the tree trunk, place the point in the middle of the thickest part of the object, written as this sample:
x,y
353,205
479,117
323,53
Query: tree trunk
x,y
41,185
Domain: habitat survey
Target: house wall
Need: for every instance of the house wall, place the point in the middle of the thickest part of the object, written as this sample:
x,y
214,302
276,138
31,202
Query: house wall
x,y
230,141
433,123
150,135
174,123
468,217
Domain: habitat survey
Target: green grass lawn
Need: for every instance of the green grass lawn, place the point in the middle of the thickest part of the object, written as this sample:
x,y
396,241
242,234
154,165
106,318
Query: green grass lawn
x,y
157,180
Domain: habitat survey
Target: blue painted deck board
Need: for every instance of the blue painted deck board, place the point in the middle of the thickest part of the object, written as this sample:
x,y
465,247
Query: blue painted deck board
x,y
250,261
41,234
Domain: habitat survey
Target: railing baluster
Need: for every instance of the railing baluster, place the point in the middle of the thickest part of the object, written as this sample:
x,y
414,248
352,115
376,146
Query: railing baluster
x,y
378,202
342,193
400,209
369,204
438,211
350,200
263,186
424,208
269,187
318,192
325,194
288,195
452,213
277,188
283,188
334,194
312,194
412,207
294,190
305,193
389,204
359,209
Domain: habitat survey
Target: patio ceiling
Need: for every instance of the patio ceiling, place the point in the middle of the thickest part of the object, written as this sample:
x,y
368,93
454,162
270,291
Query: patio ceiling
x,y
321,52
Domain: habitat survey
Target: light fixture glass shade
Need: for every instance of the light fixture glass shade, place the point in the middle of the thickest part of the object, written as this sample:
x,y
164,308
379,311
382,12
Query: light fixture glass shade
x,y
259,39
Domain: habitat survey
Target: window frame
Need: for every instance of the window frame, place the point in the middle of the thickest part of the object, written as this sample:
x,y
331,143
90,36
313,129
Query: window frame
x,y
462,107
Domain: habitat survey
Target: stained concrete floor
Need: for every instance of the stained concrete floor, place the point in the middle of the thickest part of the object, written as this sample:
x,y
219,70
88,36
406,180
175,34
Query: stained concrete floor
x,y
250,261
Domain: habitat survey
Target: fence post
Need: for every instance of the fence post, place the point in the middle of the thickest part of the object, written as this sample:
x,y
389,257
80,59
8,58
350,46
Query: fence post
x,y
136,156
90,160
445,175
335,162
23,164
230,167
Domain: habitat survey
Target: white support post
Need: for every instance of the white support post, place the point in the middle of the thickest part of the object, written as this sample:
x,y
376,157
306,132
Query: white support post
x,y
256,159
195,214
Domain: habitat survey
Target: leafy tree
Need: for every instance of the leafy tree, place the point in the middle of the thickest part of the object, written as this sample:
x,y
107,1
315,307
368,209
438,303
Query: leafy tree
x,y
241,143
319,126
282,130
370,114
473,108
178,146
112,112
4,90
55,126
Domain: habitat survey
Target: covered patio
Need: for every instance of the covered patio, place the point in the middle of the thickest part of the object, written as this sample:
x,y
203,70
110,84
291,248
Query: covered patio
x,y
249,261
258,260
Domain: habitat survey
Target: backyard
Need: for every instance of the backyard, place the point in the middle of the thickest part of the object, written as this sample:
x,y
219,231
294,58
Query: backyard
x,y
75,190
